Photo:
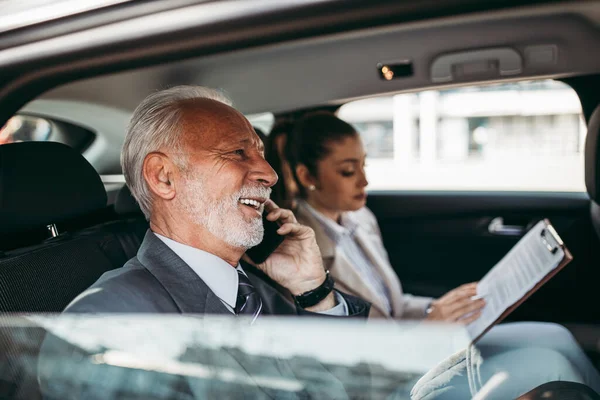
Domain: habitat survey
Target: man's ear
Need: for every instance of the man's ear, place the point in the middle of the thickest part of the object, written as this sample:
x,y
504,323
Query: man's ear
x,y
159,173
304,176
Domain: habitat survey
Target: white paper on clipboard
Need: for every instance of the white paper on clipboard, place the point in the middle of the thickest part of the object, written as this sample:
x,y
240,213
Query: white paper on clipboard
x,y
524,267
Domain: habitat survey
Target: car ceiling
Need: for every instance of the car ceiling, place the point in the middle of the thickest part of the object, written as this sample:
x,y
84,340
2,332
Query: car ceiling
x,y
305,73
333,69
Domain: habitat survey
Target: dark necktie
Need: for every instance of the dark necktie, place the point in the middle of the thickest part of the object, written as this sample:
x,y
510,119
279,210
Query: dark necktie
x,y
248,300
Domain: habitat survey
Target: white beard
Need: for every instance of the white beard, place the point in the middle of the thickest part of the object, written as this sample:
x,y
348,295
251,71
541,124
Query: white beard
x,y
222,217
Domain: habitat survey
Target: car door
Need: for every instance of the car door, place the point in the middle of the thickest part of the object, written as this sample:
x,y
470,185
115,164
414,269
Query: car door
x,y
438,240
458,176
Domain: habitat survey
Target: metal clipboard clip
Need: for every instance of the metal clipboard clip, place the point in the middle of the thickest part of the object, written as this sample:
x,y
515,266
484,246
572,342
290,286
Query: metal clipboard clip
x,y
548,235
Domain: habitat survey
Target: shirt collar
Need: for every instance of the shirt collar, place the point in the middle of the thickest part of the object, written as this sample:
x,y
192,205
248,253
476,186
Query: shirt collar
x,y
335,231
348,221
218,275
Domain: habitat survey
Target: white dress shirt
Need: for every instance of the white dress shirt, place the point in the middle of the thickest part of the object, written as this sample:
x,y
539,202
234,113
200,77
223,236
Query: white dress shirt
x,y
221,278
342,235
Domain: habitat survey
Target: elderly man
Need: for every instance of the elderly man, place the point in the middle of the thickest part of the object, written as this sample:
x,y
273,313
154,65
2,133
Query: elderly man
x,y
197,169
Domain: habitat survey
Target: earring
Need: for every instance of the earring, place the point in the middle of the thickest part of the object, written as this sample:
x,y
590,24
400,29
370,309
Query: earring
x,y
312,188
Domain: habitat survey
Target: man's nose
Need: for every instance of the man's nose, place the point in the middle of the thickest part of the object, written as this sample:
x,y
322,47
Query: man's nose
x,y
263,173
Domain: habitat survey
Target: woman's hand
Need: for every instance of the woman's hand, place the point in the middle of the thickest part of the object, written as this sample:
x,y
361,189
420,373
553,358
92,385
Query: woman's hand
x,y
457,306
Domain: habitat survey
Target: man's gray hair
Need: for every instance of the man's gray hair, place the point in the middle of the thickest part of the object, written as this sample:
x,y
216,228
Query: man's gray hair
x,y
155,125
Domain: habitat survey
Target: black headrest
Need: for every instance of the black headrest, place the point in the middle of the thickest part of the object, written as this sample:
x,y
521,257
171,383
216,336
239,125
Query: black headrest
x,y
125,203
592,156
44,183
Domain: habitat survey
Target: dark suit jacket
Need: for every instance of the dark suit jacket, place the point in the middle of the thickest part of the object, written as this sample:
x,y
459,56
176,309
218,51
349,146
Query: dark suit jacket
x,y
158,281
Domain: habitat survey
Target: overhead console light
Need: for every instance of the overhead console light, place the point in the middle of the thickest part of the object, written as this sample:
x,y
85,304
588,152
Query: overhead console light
x,y
395,70
476,64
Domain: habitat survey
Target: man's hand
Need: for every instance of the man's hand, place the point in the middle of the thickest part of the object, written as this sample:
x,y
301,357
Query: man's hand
x,y
457,306
296,264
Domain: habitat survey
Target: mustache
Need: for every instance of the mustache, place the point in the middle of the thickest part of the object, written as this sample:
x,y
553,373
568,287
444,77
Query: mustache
x,y
254,191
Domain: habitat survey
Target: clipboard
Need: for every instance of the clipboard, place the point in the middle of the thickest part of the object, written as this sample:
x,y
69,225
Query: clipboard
x,y
550,238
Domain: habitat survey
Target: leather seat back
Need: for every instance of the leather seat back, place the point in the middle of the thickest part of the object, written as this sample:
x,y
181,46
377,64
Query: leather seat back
x,y
131,217
49,184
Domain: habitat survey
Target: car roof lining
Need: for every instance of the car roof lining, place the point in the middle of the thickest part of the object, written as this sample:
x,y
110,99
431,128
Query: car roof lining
x,y
331,69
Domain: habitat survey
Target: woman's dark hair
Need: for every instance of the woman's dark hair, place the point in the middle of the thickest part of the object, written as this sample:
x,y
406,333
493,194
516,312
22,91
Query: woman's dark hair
x,y
278,194
261,135
309,141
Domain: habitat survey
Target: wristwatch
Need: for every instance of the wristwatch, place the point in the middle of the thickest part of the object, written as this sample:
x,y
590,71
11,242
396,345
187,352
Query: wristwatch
x,y
315,296
429,309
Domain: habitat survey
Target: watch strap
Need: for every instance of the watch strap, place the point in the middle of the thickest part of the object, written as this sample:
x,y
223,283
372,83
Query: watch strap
x,y
315,296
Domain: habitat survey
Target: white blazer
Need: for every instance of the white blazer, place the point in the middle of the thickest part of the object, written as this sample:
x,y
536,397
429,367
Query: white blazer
x,y
347,278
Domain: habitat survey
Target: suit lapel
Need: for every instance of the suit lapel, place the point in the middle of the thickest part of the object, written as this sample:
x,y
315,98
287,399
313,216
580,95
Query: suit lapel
x,y
188,291
276,299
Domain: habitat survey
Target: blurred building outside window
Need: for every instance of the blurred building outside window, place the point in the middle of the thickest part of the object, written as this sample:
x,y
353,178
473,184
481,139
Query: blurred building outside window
x,y
525,136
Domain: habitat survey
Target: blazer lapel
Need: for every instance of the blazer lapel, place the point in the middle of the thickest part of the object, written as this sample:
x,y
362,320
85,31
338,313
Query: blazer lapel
x,y
326,245
185,287
348,277
380,262
342,269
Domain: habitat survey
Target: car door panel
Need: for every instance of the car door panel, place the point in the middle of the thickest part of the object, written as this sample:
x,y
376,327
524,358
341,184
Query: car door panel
x,y
437,241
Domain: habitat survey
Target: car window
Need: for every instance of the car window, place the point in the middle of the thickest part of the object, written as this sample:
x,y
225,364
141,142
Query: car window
x,y
162,356
263,121
524,136
22,128
31,128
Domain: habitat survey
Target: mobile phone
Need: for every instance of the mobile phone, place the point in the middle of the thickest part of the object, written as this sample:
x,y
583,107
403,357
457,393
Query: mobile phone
x,y
271,240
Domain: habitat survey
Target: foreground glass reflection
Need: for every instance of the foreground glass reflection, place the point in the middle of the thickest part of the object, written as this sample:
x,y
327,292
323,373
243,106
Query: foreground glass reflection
x,y
184,357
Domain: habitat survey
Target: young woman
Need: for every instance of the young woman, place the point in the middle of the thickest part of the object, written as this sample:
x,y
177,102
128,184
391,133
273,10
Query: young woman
x,y
327,159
